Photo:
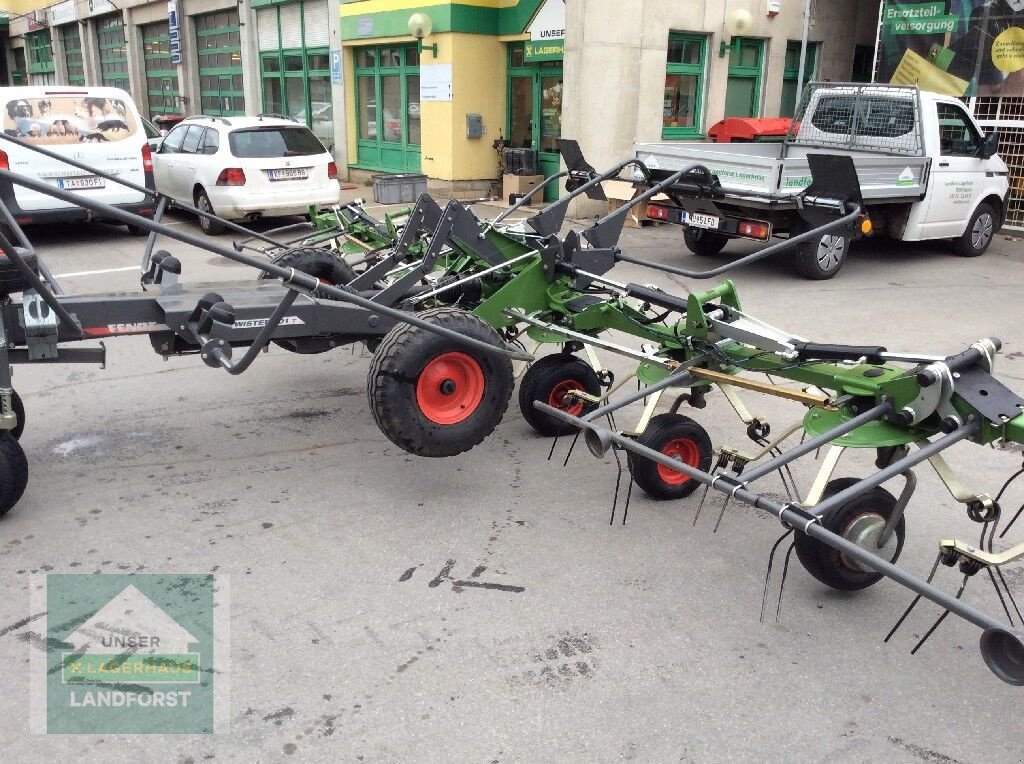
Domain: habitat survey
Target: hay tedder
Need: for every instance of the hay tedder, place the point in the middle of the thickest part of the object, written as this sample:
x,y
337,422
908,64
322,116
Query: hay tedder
x,y
447,303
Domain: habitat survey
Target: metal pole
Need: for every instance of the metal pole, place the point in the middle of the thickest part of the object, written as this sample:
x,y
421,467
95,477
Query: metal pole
x,y
803,59
878,41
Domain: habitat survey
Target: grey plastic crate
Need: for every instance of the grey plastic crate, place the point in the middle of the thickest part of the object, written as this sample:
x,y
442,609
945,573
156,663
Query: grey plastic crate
x,y
399,188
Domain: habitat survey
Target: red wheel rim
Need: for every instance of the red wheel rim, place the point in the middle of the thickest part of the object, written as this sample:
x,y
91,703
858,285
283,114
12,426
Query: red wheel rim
x,y
450,388
686,451
558,400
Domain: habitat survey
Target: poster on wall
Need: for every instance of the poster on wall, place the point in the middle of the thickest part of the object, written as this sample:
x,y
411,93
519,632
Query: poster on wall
x,y
956,47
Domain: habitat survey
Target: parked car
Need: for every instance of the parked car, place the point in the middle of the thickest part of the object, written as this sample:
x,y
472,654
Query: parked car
x,y
153,136
243,168
392,124
322,122
100,127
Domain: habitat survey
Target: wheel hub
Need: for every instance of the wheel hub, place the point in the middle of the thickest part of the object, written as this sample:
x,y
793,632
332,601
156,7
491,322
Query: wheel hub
x,y
561,397
450,388
830,251
686,451
981,234
864,531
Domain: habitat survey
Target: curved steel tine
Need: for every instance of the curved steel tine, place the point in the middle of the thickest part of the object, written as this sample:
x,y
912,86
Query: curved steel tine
x,y
618,482
782,585
721,514
703,496
1010,524
571,447
999,593
1009,593
941,618
914,602
768,573
554,443
629,495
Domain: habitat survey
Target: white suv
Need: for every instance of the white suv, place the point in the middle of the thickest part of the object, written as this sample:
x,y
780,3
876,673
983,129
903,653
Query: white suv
x,y
245,167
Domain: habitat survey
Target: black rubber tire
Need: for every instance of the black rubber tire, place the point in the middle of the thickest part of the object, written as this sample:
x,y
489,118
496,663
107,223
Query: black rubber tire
x,y
394,376
974,243
136,230
660,432
19,412
704,243
819,259
541,382
331,269
13,472
208,226
827,564
11,279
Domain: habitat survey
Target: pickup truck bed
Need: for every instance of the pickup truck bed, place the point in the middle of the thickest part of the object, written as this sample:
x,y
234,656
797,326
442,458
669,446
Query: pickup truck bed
x,y
781,171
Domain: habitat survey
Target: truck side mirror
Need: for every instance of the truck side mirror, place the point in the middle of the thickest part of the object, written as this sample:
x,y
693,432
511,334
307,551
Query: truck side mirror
x,y
990,146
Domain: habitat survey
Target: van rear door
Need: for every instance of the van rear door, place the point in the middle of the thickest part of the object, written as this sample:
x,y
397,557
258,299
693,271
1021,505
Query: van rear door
x,y
98,128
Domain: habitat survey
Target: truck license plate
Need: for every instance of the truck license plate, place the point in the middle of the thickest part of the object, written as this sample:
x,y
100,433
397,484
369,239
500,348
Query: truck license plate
x,y
701,220
88,182
290,173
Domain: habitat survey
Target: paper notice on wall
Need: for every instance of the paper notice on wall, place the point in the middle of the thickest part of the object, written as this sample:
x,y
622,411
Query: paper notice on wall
x,y
435,82
917,70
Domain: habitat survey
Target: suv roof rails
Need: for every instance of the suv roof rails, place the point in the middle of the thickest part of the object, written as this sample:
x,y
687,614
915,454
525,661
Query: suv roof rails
x,y
274,115
209,117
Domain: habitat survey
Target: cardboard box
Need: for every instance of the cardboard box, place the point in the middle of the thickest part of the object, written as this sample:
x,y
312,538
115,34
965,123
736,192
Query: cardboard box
x,y
619,192
520,184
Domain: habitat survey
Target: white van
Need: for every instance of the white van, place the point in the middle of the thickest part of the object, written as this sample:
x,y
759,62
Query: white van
x,y
99,127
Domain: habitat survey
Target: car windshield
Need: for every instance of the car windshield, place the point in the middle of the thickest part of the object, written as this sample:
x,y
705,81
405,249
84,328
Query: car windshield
x,y
269,142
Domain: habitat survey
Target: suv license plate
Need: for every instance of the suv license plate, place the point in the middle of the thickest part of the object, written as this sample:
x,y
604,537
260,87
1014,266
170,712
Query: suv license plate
x,y
87,182
291,173
700,220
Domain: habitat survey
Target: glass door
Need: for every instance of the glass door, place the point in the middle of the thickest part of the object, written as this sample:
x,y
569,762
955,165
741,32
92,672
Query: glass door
x,y
535,111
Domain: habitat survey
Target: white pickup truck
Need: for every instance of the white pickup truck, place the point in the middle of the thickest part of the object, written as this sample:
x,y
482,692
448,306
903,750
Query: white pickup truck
x,y
926,171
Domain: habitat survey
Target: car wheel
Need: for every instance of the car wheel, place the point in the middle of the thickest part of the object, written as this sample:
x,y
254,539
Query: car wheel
x,y
210,226
704,243
981,229
136,230
822,257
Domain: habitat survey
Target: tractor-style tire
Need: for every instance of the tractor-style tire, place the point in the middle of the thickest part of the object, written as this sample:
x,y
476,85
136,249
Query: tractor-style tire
x,y
704,243
677,436
981,229
331,269
13,472
432,396
549,380
11,278
859,520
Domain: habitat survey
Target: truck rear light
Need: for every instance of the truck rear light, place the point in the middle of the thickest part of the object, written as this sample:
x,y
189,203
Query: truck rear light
x,y
654,212
5,163
231,176
147,158
753,229
332,171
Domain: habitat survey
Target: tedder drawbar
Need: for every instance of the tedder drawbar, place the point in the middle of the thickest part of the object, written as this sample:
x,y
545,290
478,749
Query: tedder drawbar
x,y
443,300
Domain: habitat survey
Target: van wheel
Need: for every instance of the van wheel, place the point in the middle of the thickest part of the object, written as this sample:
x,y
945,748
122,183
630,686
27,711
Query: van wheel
x,y
210,227
981,229
822,257
704,243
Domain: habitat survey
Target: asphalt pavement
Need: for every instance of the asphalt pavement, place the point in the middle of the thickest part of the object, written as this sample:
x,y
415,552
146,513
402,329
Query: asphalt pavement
x,y
351,637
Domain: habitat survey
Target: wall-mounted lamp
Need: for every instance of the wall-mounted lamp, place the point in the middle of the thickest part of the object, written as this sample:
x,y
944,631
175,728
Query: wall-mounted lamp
x,y
738,23
421,26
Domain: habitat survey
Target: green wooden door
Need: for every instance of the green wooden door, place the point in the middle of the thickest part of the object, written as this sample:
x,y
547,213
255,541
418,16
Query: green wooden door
x,y
388,108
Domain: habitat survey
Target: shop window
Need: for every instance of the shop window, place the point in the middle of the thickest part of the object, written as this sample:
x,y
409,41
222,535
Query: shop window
x,y
863,63
40,58
219,53
684,86
791,74
746,65
72,40
161,75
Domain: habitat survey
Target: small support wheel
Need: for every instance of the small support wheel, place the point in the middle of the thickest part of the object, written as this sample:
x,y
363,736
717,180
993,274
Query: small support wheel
x,y
704,243
677,436
332,270
860,520
432,396
550,380
13,472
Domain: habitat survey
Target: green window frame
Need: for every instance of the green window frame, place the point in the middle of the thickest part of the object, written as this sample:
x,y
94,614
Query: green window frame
x,y
791,74
376,67
683,104
72,40
219,53
113,49
162,93
40,52
746,71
